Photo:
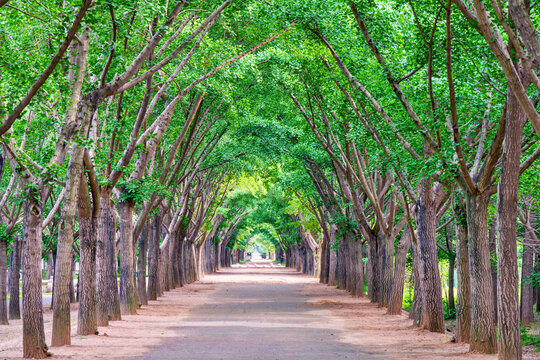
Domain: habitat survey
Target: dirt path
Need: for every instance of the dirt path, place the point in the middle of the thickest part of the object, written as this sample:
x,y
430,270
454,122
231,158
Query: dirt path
x,y
253,313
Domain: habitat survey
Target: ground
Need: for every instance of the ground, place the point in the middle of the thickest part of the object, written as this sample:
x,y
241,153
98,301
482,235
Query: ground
x,y
252,312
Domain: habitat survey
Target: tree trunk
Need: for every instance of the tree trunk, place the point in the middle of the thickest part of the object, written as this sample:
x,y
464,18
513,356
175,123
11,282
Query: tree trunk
x,y
128,303
350,275
463,308
166,266
537,268
102,312
34,345
324,262
50,265
113,299
493,258
73,293
416,307
332,267
527,292
507,267
451,269
13,283
483,337
388,269
395,303
341,265
153,258
218,255
61,329
3,283
358,268
174,259
141,265
87,322
433,316
375,267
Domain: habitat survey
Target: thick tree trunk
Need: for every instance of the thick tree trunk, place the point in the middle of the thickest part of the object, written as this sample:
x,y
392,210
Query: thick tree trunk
x,y
387,268
160,273
433,317
332,267
324,262
166,268
537,268
141,265
217,253
13,283
463,308
50,265
102,312
34,345
350,275
483,338
527,292
174,259
451,269
493,257
507,268
113,298
61,329
128,302
375,267
182,261
153,259
341,265
395,303
3,283
416,307
358,268
87,322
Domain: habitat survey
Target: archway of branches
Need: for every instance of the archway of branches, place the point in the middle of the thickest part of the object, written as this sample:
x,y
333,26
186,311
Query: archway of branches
x,y
375,145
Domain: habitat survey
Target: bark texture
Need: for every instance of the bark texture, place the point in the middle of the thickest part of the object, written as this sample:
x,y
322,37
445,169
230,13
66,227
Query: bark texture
x,y
507,201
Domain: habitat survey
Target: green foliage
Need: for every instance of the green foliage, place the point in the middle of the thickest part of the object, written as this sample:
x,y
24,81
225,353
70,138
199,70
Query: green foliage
x,y
530,335
533,280
5,236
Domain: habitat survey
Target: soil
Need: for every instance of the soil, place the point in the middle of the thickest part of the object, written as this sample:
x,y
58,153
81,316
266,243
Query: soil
x,y
252,312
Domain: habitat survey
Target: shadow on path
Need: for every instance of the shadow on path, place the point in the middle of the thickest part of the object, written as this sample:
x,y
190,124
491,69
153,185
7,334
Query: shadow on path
x,y
246,319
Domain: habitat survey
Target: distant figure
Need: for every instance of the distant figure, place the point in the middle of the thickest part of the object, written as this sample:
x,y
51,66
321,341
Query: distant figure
x,y
248,256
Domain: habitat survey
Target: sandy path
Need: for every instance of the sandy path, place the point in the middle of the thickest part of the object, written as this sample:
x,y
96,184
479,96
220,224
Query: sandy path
x,y
253,313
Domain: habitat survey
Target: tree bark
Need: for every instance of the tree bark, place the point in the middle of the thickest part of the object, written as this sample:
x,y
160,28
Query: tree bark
x,y
141,265
324,262
432,308
128,302
102,263
113,299
483,337
395,303
3,283
527,292
13,283
388,269
451,269
507,267
463,308
358,267
493,258
34,345
153,258
375,269
87,322
341,265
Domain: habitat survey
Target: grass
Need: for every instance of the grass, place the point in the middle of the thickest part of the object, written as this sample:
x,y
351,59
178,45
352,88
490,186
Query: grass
x,y
530,335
